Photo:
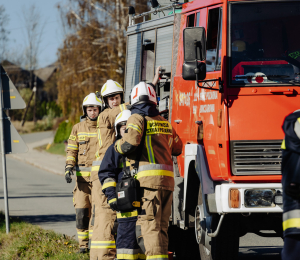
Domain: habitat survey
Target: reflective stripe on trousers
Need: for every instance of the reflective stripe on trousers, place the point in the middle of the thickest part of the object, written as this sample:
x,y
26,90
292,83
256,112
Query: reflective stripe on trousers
x,y
124,254
158,257
103,244
83,235
291,219
127,214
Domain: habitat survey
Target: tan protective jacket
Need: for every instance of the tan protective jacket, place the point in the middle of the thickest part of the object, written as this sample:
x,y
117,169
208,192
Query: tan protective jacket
x,y
81,149
106,135
161,142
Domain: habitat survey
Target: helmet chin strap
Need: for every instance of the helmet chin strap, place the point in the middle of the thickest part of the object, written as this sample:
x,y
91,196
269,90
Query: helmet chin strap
x,y
93,119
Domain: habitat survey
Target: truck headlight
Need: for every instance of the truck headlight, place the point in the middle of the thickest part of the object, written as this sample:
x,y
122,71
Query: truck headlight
x,y
259,198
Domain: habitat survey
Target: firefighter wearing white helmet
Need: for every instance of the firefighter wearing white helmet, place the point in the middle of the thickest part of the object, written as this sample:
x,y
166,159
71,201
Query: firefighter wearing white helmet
x,y
102,241
112,94
90,101
111,174
121,121
82,145
149,143
143,93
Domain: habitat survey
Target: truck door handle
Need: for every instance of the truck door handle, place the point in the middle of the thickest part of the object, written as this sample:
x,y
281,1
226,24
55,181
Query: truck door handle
x,y
178,121
280,90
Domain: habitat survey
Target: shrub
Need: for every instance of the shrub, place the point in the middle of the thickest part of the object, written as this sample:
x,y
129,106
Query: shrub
x,y
63,132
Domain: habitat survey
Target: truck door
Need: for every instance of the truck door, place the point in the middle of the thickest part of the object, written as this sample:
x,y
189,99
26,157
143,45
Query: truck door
x,y
263,82
209,102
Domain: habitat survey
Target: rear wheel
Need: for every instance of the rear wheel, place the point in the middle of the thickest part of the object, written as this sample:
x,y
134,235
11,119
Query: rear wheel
x,y
223,247
183,243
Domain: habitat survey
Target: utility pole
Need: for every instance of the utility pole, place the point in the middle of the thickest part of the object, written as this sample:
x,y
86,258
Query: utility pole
x,y
35,92
28,105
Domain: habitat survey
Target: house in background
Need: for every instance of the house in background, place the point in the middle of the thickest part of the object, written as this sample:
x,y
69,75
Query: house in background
x,y
43,78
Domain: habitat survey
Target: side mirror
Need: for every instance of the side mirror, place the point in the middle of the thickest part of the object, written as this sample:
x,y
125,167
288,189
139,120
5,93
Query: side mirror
x,y
194,44
189,70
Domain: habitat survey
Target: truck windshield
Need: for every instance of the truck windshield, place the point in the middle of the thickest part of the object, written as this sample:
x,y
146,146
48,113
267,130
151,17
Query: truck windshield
x,y
265,43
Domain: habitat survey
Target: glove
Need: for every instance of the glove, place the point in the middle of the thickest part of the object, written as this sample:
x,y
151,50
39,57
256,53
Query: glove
x,y
293,190
113,205
68,173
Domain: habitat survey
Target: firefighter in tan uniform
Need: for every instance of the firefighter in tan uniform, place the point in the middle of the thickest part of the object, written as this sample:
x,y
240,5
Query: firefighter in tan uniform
x,y
103,244
81,149
154,169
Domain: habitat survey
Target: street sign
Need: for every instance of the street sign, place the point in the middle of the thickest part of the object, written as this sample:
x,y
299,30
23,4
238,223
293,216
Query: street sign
x,y
11,96
13,141
10,140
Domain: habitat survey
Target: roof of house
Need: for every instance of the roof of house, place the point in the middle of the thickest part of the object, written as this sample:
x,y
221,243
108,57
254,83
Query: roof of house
x,y
45,73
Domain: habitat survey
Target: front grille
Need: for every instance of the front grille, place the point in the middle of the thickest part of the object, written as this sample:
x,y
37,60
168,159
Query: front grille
x,y
256,157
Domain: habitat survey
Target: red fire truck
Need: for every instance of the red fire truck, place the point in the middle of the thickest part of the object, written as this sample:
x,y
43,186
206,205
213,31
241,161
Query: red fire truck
x,y
230,75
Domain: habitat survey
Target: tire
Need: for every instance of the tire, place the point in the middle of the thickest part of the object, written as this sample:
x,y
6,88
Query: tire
x,y
225,246
183,243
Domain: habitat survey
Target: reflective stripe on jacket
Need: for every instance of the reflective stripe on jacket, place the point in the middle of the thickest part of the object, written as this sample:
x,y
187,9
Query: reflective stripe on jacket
x,y
161,142
109,172
290,168
82,145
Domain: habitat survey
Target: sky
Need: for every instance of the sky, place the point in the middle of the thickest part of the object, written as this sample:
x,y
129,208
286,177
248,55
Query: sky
x,y
52,35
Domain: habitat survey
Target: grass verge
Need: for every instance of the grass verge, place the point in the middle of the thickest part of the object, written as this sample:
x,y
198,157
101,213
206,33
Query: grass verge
x,y
27,241
54,149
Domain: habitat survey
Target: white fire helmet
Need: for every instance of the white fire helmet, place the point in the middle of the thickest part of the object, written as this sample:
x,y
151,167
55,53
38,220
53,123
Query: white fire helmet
x,y
143,93
111,87
121,119
91,100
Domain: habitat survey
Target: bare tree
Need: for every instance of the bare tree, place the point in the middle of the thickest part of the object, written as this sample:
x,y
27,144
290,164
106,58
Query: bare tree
x,y
94,48
33,29
4,20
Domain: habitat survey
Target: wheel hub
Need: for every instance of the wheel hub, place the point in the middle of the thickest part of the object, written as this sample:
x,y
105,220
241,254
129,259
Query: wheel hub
x,y
199,225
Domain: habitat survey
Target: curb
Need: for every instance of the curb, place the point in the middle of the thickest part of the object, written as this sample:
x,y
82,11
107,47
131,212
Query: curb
x,y
36,164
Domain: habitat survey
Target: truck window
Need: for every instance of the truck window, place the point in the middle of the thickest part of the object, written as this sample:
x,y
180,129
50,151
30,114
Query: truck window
x,y
148,59
265,43
213,45
190,21
197,19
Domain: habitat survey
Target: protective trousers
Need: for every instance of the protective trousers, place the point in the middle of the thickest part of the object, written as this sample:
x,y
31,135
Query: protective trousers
x,y
82,203
103,246
153,221
127,246
291,248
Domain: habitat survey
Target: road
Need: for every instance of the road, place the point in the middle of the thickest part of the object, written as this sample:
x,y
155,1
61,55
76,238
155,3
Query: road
x,y
35,137
43,198
39,197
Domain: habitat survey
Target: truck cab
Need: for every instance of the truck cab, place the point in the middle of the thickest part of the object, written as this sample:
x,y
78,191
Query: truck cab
x,y
230,77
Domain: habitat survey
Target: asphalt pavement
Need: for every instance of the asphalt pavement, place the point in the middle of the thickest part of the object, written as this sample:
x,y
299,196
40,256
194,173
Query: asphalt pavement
x,y
43,198
39,197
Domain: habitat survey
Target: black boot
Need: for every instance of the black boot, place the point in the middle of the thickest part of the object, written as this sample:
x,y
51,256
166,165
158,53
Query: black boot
x,y
82,251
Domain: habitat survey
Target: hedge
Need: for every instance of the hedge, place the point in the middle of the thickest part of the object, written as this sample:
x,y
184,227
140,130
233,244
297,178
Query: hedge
x,y
63,132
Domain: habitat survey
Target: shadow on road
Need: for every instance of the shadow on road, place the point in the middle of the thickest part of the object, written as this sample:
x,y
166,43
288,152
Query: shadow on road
x,y
39,196
36,219
260,252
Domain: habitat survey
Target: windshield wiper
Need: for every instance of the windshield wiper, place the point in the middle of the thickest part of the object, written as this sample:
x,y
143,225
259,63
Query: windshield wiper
x,y
293,82
291,61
